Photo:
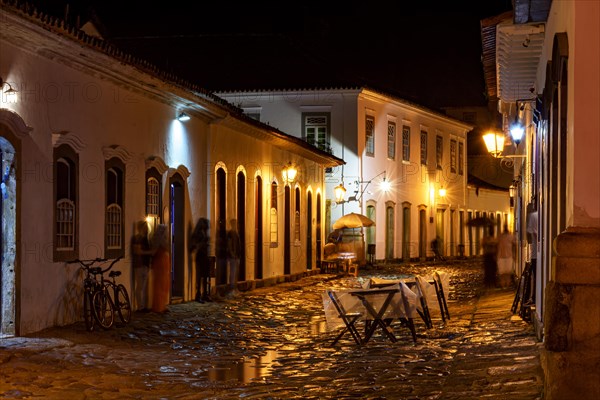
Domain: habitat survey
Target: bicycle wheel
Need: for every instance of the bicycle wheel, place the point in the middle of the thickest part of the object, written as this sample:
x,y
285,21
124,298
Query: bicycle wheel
x,y
103,309
123,304
88,312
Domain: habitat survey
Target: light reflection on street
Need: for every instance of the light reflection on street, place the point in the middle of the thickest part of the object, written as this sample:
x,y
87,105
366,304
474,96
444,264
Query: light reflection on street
x,y
246,371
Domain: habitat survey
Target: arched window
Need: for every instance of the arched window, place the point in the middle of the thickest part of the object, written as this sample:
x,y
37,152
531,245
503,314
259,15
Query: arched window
x,y
114,224
65,203
297,217
273,232
153,197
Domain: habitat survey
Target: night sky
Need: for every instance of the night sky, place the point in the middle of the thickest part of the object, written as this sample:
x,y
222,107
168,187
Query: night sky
x,y
428,52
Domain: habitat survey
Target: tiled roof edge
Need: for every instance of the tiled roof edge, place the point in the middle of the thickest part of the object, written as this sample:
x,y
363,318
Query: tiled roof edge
x,y
59,26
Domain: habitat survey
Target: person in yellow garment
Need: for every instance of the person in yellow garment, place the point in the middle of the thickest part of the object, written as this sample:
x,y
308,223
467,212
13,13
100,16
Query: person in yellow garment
x,y
161,269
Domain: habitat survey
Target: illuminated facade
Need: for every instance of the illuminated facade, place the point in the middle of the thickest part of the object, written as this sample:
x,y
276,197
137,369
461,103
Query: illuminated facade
x,y
420,154
93,145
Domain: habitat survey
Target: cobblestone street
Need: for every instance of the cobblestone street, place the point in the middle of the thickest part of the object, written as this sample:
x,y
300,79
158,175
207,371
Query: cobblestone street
x,y
272,343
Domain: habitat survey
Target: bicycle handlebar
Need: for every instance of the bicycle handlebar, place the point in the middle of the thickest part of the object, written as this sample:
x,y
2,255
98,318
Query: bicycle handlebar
x,y
111,264
88,263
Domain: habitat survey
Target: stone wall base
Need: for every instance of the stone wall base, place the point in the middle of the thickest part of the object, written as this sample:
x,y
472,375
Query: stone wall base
x,y
571,375
571,355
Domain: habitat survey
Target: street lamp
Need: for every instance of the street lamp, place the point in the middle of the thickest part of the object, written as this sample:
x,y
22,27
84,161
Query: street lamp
x,y
494,142
183,117
340,190
511,192
11,94
289,173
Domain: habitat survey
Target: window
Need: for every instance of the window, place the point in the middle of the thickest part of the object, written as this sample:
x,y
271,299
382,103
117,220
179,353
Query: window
x,y
439,151
370,136
114,226
153,179
297,217
153,197
316,130
273,215
65,207
391,140
423,148
406,143
461,160
453,156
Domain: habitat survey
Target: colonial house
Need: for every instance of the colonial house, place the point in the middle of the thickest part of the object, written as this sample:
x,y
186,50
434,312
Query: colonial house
x,y
94,140
405,164
543,62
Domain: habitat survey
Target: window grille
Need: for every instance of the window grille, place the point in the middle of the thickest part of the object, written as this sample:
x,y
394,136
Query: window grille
x,y
406,143
391,140
65,225
461,160
439,151
152,197
113,227
453,156
65,217
423,148
297,217
273,216
370,136
316,131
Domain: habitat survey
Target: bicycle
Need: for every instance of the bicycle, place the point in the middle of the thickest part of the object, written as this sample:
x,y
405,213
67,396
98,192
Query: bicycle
x,y
117,294
91,286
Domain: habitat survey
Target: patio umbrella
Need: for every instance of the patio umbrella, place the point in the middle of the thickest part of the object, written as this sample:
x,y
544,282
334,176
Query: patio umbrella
x,y
353,220
480,221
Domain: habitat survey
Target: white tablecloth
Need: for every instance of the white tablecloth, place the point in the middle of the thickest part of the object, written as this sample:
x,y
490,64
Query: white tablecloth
x,y
350,303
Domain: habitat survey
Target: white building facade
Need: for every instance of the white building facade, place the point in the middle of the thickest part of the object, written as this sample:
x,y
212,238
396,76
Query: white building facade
x,y
92,145
419,153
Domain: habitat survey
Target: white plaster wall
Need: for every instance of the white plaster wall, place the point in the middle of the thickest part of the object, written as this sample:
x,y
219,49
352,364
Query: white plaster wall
x,y
92,113
579,19
411,182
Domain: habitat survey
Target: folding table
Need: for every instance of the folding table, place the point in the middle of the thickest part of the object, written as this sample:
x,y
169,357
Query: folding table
x,y
376,307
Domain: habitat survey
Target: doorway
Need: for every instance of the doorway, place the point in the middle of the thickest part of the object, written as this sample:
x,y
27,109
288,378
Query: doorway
x,y
241,219
287,257
422,234
177,205
258,229
309,227
406,233
8,242
389,233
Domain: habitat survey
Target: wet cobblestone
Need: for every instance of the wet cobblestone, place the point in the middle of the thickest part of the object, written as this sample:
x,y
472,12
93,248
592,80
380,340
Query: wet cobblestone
x,y
271,343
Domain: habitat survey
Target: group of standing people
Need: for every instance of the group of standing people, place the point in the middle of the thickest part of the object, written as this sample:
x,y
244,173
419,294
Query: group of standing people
x,y
151,254
498,256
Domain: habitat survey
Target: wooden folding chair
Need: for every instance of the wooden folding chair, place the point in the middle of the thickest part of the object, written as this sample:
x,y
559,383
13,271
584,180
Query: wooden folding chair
x,y
424,314
349,319
439,290
408,321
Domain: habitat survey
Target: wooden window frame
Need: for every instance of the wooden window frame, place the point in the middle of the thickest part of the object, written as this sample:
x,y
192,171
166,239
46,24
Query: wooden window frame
x,y
66,205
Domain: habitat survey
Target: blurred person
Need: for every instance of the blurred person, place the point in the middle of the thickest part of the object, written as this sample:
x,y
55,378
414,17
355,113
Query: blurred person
x,y
504,257
161,269
234,248
142,258
200,243
532,238
490,248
